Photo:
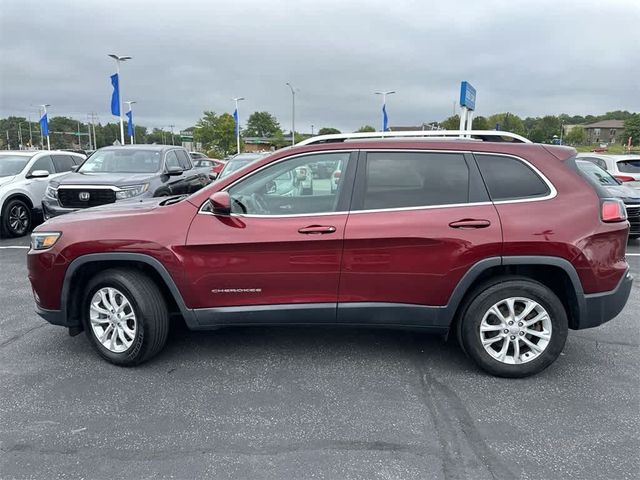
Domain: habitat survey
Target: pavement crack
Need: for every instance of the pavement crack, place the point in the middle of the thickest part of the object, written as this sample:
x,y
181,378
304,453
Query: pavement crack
x,y
20,335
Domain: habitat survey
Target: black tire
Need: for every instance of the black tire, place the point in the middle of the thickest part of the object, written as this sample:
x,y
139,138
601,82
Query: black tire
x,y
489,294
16,213
149,306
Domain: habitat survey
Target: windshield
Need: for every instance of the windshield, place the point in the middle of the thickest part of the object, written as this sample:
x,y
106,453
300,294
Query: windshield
x,y
629,166
596,173
12,164
122,161
237,162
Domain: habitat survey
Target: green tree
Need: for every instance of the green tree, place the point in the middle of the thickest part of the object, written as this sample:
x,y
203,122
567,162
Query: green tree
x,y
576,136
508,122
632,129
262,124
216,133
365,128
451,123
481,123
545,129
328,131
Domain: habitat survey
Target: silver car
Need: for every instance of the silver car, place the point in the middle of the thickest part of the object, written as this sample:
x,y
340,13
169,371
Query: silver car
x,y
24,176
625,168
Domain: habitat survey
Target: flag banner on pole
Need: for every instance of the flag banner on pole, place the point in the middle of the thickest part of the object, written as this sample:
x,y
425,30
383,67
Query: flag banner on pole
x,y
44,125
115,96
385,119
235,117
130,123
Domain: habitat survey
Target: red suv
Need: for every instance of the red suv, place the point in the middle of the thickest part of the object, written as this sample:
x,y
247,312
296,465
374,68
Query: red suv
x,y
500,241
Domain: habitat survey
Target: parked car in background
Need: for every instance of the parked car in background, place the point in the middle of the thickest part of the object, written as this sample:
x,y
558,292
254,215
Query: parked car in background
x,y
617,189
238,161
198,155
625,168
24,176
213,166
504,245
124,172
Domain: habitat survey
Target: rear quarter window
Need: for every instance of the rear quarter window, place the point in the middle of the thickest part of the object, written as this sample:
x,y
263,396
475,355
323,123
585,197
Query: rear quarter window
x,y
629,166
508,178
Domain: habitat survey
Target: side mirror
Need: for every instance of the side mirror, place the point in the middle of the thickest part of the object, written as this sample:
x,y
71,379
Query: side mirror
x,y
39,174
174,171
221,203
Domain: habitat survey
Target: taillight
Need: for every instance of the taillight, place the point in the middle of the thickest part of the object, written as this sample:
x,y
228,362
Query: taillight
x,y
613,210
625,178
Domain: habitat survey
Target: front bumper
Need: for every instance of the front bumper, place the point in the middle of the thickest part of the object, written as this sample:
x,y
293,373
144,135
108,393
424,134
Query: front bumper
x,y
51,208
602,307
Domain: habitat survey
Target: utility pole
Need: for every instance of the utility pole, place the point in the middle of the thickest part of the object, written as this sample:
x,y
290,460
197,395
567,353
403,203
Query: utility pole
x,y
19,136
293,114
8,145
93,124
30,134
172,134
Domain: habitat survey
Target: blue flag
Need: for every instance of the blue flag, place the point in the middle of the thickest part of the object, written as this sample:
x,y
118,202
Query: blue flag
x,y
115,96
235,117
385,119
130,123
44,125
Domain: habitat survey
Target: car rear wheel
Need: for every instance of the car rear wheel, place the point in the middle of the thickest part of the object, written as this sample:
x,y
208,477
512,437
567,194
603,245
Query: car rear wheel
x,y
16,218
125,316
513,327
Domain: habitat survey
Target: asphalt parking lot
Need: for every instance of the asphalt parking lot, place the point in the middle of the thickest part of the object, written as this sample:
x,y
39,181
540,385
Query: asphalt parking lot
x,y
282,403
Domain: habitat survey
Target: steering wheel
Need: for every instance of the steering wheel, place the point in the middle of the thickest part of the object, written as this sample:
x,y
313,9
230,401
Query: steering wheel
x,y
260,203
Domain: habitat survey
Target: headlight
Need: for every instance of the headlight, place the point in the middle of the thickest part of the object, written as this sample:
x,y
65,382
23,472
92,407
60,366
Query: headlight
x,y
131,191
44,240
51,192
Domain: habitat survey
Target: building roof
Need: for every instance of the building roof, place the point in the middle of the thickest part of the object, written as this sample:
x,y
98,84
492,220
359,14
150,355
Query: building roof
x,y
606,124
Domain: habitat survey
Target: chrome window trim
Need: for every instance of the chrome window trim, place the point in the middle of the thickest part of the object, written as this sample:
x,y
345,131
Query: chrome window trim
x,y
552,190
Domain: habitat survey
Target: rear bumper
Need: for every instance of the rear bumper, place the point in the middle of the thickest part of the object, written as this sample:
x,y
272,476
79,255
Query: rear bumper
x,y
602,307
54,317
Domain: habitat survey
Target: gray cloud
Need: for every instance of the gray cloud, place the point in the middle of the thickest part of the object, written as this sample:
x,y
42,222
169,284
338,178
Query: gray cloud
x,y
528,57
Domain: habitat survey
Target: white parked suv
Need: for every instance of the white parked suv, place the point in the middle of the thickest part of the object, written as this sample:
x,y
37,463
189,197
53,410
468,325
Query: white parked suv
x,y
24,176
625,168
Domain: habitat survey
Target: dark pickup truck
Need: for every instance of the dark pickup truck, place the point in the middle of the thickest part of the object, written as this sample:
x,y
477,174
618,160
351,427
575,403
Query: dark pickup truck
x,y
118,173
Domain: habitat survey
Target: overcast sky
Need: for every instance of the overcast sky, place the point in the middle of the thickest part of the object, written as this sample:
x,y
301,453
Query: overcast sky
x,y
530,57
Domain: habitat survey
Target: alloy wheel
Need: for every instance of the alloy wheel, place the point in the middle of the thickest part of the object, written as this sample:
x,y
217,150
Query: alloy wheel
x,y
18,220
113,320
515,330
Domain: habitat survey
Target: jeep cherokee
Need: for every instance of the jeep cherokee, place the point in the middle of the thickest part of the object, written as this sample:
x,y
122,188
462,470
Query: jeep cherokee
x,y
505,244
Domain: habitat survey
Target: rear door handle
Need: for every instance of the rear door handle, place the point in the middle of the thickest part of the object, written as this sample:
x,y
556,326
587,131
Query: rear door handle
x,y
317,230
468,223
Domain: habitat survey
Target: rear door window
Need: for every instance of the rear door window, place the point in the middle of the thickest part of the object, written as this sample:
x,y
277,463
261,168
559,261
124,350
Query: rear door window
x,y
508,178
415,179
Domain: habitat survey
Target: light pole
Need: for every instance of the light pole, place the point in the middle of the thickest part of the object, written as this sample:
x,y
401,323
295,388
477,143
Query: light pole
x,y
44,109
172,133
561,130
293,114
384,107
312,129
130,122
236,117
119,59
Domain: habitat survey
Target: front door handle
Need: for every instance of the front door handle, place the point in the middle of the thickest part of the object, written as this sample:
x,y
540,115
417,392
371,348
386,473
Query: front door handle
x,y
468,223
317,230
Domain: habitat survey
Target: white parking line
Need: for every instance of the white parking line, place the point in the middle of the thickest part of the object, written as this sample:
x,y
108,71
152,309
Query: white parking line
x,y
14,246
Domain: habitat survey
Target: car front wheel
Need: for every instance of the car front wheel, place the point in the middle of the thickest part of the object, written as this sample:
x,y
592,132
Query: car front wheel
x,y
513,327
125,316
16,218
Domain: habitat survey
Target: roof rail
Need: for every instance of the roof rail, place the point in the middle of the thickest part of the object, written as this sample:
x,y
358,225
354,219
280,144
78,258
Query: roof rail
x,y
485,135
